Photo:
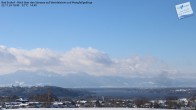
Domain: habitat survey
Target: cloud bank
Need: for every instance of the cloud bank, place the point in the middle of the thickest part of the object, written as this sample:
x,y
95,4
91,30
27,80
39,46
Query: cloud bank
x,y
79,60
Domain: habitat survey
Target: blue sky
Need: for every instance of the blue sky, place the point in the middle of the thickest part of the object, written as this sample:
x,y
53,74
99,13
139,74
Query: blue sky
x,y
120,28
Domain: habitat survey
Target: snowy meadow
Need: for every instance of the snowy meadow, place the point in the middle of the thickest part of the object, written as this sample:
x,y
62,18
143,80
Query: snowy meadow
x,y
88,109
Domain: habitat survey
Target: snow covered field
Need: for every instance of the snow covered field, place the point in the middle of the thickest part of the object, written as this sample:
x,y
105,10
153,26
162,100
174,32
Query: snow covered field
x,y
86,109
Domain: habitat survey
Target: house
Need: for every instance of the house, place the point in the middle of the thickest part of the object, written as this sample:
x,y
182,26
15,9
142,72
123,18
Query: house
x,y
183,101
22,100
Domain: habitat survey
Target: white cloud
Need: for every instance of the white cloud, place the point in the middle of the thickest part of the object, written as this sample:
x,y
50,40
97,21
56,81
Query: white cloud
x,y
85,60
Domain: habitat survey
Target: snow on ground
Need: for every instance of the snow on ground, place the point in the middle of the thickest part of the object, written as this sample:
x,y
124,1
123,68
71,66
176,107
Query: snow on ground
x,y
87,109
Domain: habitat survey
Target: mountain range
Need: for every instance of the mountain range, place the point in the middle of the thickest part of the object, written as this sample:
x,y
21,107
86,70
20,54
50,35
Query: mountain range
x,y
84,80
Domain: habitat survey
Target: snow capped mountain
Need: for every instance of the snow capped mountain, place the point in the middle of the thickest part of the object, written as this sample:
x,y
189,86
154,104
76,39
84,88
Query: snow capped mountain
x,y
83,80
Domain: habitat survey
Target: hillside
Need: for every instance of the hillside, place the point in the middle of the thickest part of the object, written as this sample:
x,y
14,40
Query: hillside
x,y
30,91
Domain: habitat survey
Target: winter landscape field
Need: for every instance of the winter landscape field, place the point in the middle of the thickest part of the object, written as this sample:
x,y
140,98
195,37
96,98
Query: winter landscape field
x,y
97,54
87,109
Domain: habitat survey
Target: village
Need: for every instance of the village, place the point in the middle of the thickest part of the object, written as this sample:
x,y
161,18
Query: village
x,y
102,102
